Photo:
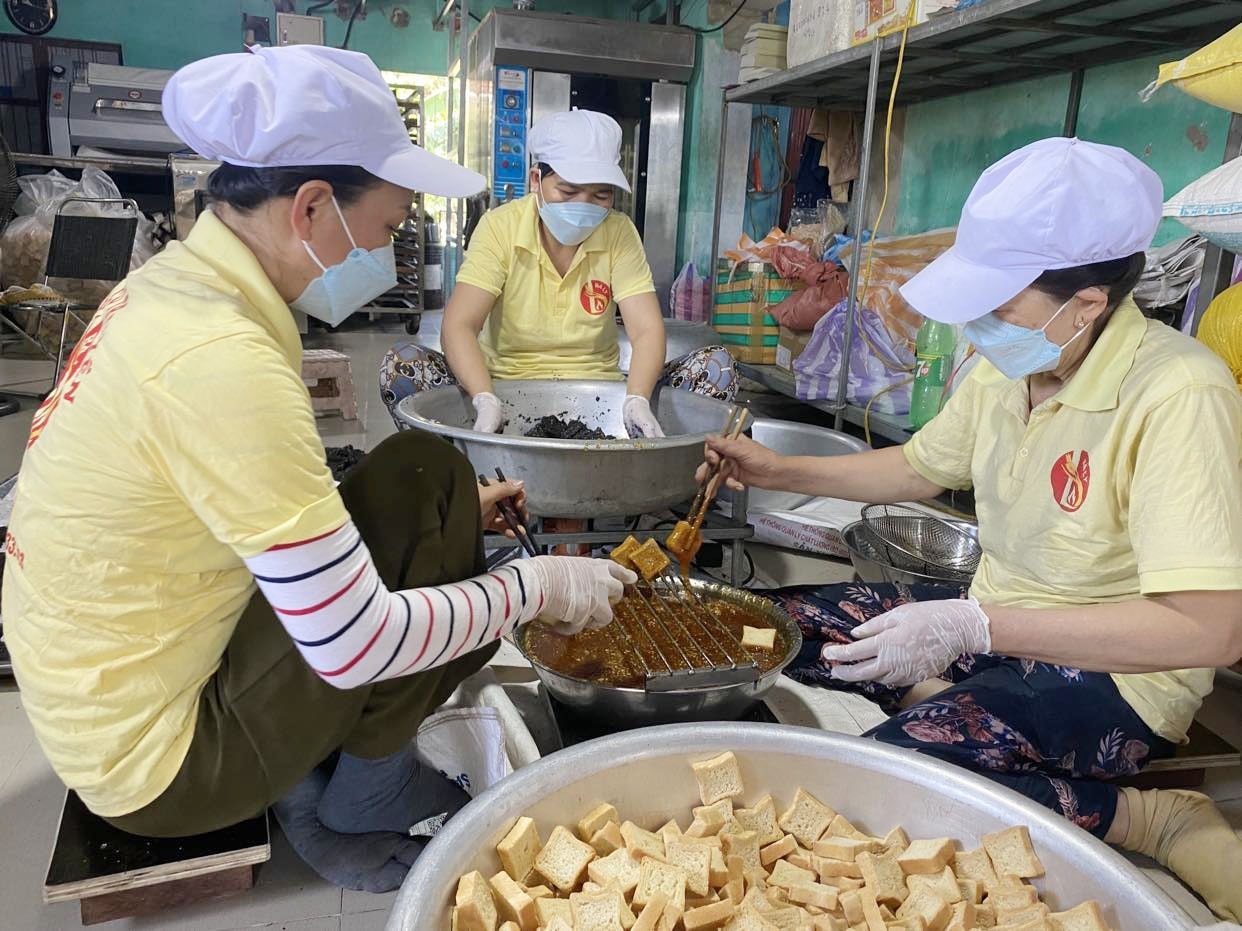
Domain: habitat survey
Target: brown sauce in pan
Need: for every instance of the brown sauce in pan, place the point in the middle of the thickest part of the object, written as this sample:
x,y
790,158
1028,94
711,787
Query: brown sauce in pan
x,y
607,657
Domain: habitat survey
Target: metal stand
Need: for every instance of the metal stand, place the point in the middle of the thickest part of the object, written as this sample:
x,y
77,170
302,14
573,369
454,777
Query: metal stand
x,y
1043,36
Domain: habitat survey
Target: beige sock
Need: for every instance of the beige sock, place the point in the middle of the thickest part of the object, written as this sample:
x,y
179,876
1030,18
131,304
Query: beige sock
x,y
1185,832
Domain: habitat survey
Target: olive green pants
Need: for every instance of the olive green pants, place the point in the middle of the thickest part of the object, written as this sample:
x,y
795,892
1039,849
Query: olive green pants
x,y
265,719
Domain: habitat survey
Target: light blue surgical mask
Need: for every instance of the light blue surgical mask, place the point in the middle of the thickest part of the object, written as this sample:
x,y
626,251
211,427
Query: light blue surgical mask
x,y
1014,350
571,222
342,289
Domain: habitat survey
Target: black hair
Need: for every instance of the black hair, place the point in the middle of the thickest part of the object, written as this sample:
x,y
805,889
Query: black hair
x,y
247,188
545,170
1117,276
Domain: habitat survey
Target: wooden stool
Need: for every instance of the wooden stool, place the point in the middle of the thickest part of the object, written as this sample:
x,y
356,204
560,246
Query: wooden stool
x,y
119,875
330,381
1187,767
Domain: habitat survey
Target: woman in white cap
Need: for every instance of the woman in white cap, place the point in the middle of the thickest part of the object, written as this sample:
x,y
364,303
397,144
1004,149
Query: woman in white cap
x,y
543,279
201,622
1103,449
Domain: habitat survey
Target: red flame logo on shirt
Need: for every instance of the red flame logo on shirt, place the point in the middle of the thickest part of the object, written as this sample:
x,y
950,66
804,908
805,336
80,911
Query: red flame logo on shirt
x,y
1071,478
595,297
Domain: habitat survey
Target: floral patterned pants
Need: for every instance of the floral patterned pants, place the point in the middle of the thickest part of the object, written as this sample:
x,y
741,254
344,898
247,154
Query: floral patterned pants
x,y
1055,734
408,368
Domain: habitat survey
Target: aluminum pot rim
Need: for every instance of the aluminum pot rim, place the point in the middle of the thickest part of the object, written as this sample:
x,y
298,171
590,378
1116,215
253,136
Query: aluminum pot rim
x,y
513,440
626,748
792,631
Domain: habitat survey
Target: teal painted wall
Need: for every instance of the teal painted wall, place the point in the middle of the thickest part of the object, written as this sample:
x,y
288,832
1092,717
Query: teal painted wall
x,y
949,142
170,33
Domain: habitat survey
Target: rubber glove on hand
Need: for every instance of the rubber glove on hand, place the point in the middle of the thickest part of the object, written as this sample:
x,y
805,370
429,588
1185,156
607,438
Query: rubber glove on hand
x,y
489,413
640,422
911,643
578,591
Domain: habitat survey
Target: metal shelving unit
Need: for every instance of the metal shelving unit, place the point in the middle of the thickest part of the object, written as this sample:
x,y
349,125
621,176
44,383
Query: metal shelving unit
x,y
997,42
407,297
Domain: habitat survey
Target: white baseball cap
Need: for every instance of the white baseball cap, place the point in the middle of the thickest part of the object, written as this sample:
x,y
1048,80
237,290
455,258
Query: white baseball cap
x,y
304,105
582,146
1056,203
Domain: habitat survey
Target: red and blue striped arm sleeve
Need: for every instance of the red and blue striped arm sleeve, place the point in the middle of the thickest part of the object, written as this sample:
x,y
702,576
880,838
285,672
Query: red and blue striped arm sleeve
x,y
353,631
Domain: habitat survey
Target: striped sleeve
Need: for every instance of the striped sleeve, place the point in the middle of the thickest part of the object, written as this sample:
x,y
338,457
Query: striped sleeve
x,y
353,631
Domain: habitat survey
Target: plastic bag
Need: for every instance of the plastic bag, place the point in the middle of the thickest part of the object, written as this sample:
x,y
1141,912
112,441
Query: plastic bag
x,y
691,296
1213,74
1212,206
880,368
23,248
1170,272
894,261
827,283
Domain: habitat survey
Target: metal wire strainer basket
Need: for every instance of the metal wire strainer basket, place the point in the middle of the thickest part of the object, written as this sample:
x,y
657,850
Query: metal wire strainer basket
x,y
918,542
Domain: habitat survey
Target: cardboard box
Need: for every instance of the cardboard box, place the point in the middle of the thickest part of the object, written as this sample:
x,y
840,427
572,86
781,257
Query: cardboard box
x,y
741,310
789,346
818,28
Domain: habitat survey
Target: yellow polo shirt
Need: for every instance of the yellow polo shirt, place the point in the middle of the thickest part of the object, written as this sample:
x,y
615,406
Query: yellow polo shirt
x,y
543,325
1125,483
179,440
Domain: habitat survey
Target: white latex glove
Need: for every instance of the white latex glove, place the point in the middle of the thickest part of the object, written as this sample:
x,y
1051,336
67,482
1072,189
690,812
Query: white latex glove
x,y
578,591
911,643
489,413
640,422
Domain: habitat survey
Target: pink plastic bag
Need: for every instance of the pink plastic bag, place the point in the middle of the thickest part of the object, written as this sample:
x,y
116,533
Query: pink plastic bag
x,y
691,296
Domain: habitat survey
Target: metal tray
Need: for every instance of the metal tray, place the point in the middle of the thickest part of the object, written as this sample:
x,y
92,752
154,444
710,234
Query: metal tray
x,y
646,774
635,707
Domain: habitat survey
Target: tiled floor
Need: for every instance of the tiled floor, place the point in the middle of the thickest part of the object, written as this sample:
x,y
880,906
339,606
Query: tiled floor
x,y
288,895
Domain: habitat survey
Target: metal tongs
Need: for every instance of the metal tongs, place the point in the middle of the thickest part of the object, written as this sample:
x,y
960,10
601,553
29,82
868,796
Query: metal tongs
x,y
508,508
687,539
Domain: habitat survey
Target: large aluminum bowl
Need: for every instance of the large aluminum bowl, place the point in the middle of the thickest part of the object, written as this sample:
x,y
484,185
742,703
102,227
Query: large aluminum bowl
x,y
579,478
646,774
634,707
796,439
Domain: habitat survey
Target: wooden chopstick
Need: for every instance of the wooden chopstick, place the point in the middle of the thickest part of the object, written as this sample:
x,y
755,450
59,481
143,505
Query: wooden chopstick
x,y
712,486
530,533
509,512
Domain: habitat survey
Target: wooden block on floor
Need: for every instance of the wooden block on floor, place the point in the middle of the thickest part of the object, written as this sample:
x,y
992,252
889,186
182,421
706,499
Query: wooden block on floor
x,y
329,379
148,900
116,874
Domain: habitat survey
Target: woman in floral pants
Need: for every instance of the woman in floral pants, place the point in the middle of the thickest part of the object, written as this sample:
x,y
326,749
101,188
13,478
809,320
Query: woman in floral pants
x,y
1103,450
993,718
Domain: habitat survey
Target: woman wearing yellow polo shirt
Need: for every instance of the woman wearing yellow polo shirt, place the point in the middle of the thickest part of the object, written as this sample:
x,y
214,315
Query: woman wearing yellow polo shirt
x,y
543,279
1103,449
202,623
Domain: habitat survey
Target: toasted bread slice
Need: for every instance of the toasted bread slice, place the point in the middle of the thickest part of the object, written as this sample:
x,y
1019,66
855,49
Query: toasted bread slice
x,y
718,778
563,859
476,909
519,848
807,818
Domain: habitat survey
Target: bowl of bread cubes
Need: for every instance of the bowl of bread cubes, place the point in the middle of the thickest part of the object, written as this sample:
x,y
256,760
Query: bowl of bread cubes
x,y
754,827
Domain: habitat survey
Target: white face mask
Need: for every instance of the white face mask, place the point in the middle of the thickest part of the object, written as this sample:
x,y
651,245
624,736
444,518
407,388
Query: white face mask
x,y
570,222
358,279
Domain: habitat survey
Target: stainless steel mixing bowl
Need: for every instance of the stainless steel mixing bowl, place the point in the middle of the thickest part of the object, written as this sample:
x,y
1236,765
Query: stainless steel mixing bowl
x,y
579,478
796,439
634,707
646,774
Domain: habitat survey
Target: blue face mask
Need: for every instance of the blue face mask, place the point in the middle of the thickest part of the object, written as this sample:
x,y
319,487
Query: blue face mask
x,y
570,223
355,282
1014,350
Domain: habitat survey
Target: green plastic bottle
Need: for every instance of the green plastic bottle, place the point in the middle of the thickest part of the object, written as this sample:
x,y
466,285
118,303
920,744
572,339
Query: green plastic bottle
x,y
934,355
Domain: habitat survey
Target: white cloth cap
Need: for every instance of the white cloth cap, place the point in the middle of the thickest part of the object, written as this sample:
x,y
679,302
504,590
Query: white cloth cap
x,y
1056,203
304,105
582,146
